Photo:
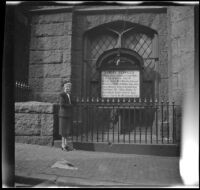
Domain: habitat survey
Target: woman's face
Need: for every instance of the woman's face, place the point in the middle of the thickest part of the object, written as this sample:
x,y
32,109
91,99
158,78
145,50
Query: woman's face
x,y
67,88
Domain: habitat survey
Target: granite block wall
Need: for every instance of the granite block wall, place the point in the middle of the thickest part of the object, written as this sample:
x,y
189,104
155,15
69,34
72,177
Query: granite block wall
x,y
49,54
181,56
57,45
35,123
181,51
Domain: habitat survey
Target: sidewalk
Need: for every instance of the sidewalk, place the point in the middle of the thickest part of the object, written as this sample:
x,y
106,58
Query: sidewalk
x,y
33,162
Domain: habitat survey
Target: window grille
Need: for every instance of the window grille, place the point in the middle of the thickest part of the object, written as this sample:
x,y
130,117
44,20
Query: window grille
x,y
100,44
137,41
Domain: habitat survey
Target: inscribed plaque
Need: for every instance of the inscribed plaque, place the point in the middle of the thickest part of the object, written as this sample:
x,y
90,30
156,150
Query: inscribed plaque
x,y
120,84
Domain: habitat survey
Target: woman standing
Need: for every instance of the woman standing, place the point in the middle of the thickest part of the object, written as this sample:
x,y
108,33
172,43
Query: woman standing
x,y
65,115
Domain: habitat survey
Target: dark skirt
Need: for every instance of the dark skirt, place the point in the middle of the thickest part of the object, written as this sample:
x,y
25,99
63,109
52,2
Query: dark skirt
x,y
65,125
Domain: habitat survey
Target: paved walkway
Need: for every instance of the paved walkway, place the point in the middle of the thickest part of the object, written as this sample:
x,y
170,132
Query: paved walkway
x,y
94,168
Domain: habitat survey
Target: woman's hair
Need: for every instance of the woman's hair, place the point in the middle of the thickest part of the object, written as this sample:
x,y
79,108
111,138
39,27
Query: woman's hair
x,y
66,82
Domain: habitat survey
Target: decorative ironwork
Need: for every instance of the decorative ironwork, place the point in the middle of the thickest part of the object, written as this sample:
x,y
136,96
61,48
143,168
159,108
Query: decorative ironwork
x,y
22,91
142,121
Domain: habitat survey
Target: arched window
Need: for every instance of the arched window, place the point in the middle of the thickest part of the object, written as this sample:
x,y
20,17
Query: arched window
x,y
120,35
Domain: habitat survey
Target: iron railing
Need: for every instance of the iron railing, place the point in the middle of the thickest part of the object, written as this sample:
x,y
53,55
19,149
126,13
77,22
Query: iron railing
x,y
124,121
22,91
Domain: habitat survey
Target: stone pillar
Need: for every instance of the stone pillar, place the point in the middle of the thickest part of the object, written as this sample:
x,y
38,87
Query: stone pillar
x,y
50,54
181,56
34,123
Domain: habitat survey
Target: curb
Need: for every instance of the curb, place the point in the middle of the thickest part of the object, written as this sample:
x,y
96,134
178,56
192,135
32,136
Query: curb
x,y
171,150
45,180
53,180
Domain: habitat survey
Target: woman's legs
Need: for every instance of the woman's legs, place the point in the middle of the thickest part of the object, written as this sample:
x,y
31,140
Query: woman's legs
x,y
63,142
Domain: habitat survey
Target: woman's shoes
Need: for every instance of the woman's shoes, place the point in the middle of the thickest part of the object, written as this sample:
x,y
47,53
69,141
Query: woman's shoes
x,y
67,148
64,148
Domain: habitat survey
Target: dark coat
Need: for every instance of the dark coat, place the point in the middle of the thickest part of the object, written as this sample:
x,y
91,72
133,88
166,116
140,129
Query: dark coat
x,y
65,115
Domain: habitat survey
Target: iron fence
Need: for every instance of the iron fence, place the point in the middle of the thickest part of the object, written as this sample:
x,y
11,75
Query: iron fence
x,y
22,91
124,121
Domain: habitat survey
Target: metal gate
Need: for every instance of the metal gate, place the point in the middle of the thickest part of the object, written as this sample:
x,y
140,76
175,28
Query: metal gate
x,y
124,121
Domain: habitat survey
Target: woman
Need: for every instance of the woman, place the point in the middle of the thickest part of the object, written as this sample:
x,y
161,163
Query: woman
x,y
65,115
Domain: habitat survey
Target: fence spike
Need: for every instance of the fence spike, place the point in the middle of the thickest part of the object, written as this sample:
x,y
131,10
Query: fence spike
x,y
87,99
118,100
123,99
102,100
134,100
97,99
140,100
129,100
145,100
151,100
108,100
82,100
113,100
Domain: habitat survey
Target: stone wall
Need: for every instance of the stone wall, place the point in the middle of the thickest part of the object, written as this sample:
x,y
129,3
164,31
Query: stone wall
x,y
35,123
181,56
181,51
50,54
57,45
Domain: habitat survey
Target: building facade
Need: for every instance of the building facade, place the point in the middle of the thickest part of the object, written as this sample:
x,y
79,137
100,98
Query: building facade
x,y
81,43
66,42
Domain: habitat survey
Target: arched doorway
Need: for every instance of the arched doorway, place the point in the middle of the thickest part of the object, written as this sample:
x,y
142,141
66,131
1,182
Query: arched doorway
x,y
122,75
111,37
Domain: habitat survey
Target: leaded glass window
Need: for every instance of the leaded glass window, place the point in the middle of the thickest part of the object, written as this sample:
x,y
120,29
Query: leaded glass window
x,y
114,37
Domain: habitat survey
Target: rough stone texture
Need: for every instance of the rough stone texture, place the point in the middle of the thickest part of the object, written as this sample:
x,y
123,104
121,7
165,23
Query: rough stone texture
x,y
180,13
52,29
163,70
52,18
163,89
42,57
27,124
187,78
50,54
35,122
50,43
33,107
66,56
147,19
181,51
181,55
45,84
163,42
176,81
66,70
45,71
47,124
47,97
